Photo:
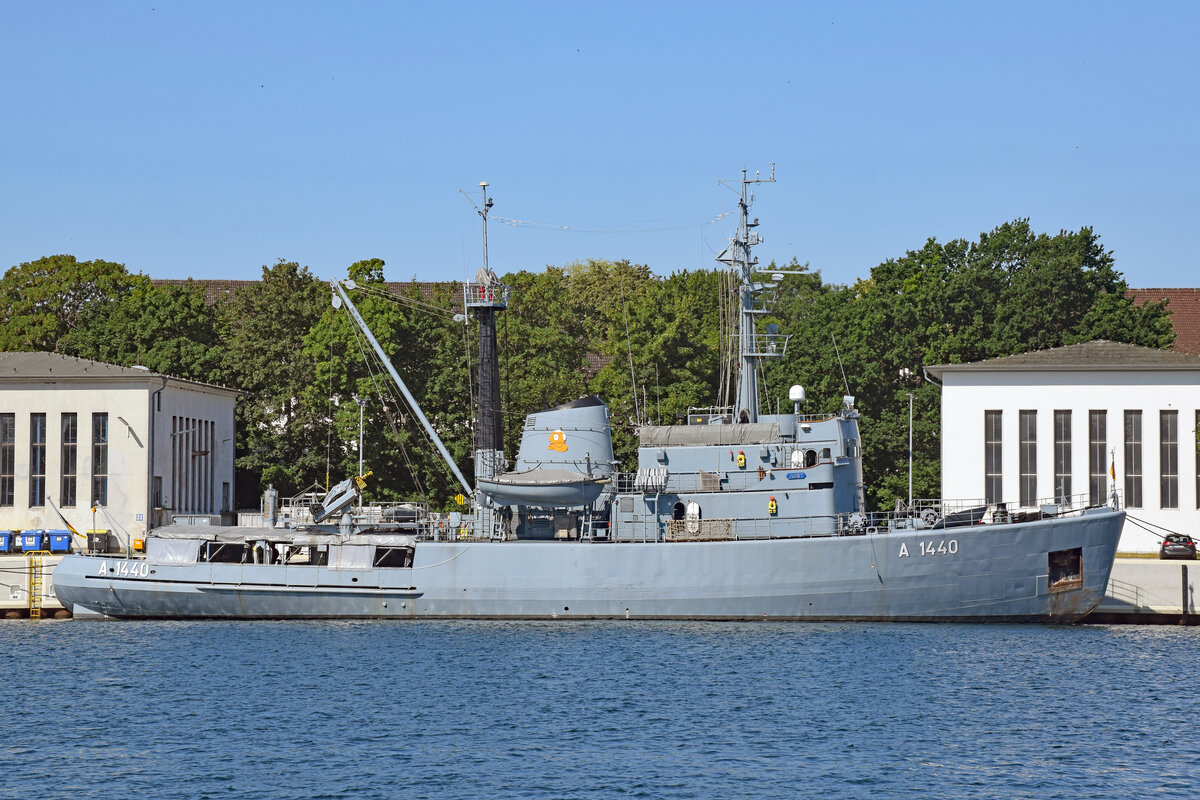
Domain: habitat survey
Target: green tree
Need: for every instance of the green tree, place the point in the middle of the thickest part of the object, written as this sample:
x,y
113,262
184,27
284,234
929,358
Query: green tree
x,y
263,328
170,329
543,348
1010,292
40,301
396,448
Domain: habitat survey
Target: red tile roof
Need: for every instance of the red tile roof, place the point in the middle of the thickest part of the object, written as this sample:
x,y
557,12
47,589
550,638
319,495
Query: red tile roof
x,y
1184,305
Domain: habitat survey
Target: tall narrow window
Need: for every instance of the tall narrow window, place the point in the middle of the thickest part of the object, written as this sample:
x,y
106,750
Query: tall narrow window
x,y
37,460
1168,459
1097,457
69,458
993,479
8,457
1133,459
100,459
1028,421
1062,455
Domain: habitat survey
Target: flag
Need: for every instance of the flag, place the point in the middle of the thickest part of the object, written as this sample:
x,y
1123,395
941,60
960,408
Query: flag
x,y
1112,470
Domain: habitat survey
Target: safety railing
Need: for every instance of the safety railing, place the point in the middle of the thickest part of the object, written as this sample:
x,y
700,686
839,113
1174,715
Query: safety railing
x,y
483,295
936,514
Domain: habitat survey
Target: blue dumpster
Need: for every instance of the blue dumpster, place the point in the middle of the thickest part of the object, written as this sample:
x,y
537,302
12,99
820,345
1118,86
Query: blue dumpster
x,y
60,541
31,540
6,541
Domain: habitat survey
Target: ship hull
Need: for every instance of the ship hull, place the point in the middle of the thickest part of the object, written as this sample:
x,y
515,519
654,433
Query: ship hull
x,y
1000,572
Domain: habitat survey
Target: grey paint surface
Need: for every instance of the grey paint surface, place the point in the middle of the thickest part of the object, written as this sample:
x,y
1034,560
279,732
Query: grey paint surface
x,y
995,572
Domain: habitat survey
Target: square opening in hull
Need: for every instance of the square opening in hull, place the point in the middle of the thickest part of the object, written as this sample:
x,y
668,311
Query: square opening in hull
x,y
1065,569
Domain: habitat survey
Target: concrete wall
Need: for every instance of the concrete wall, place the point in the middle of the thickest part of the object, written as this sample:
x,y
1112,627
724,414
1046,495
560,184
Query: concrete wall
x,y
966,395
14,586
1146,586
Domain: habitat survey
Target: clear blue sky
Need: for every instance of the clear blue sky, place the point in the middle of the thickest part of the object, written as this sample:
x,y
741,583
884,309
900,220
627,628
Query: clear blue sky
x,y
206,139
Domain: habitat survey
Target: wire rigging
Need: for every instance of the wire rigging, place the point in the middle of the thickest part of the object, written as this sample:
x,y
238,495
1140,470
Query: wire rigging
x,y
1142,523
384,389
405,300
385,394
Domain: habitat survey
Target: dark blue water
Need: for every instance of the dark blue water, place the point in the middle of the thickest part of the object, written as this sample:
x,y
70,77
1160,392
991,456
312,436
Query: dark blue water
x,y
596,710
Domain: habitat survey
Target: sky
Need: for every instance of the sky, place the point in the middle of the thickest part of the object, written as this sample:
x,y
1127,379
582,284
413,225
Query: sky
x,y
206,140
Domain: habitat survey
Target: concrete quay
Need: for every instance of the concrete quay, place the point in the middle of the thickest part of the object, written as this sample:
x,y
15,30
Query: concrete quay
x,y
14,587
1148,591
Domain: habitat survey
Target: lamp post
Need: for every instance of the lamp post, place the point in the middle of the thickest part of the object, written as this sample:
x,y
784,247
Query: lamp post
x,y
906,374
362,403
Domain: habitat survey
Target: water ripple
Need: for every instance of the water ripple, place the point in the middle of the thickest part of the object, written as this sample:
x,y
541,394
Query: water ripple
x,y
273,710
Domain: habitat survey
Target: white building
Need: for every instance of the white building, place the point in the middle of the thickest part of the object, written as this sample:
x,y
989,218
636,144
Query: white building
x,y
114,448
1030,428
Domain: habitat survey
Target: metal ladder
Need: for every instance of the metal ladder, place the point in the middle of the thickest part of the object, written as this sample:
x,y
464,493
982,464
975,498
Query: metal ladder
x,y
35,582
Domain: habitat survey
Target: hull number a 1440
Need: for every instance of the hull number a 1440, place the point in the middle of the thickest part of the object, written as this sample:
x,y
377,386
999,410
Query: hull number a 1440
x,y
124,569
940,547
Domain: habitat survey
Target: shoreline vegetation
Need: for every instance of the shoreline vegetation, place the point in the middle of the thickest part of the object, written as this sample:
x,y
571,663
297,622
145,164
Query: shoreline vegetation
x,y
574,330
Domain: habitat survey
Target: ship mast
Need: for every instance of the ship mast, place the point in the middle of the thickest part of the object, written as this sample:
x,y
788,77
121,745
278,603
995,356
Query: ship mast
x,y
485,296
752,346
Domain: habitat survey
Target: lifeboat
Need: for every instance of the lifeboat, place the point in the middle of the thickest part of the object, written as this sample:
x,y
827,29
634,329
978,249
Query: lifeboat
x,y
544,486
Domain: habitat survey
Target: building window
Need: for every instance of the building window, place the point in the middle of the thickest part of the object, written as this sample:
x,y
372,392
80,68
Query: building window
x,y
69,458
37,460
8,457
1133,459
100,459
1097,461
1028,425
1196,450
1168,459
993,483
1062,455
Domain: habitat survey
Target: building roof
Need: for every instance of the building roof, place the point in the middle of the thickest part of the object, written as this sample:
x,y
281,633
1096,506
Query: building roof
x,y
214,290
1184,305
1089,356
25,366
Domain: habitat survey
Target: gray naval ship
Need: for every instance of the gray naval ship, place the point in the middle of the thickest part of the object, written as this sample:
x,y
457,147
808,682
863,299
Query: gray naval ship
x,y
736,515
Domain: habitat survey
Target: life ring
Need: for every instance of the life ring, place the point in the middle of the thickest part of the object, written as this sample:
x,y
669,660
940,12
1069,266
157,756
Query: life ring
x,y
741,460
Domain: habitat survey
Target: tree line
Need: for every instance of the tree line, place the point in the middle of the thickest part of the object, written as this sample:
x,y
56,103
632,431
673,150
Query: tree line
x,y
650,346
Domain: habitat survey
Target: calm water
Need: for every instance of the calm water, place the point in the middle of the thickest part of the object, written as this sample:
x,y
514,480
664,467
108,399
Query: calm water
x,y
596,710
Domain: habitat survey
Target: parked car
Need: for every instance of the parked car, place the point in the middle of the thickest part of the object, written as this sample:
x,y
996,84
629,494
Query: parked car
x,y
1176,545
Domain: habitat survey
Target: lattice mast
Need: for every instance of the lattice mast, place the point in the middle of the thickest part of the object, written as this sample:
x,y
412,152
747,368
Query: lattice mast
x,y
752,346
484,297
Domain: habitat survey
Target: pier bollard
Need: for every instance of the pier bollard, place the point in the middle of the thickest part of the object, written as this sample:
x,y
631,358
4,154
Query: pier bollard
x,y
1183,600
